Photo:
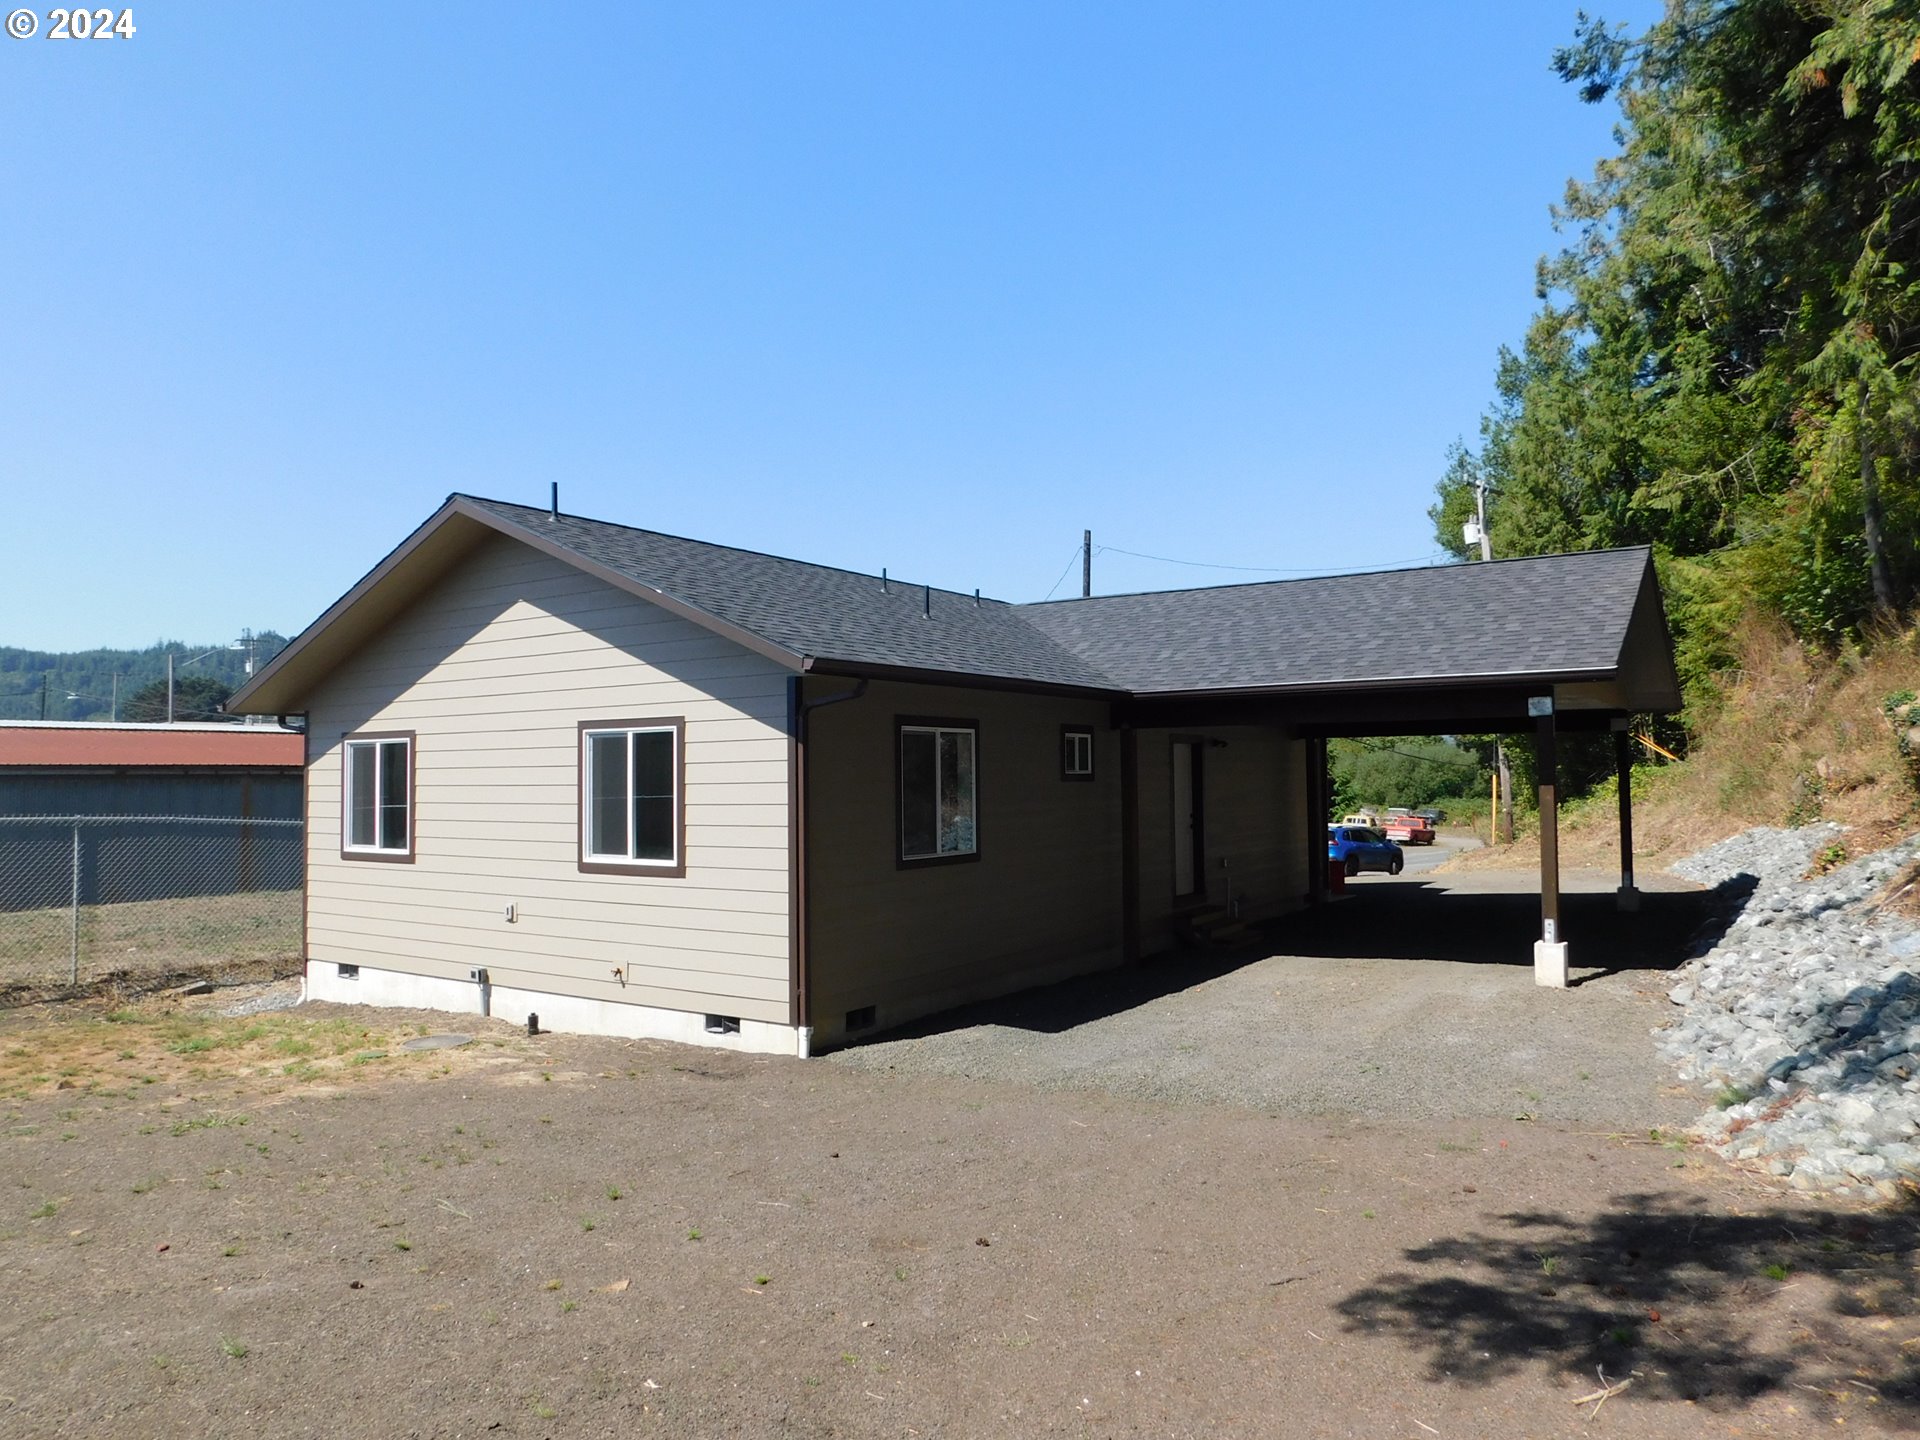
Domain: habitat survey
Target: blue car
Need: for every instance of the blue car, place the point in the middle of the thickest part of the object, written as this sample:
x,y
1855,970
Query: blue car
x,y
1355,848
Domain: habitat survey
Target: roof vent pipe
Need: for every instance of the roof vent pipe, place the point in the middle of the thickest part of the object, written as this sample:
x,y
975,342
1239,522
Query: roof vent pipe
x,y
883,579
926,601
555,502
976,597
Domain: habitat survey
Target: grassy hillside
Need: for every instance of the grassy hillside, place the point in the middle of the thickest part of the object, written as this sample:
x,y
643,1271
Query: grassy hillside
x,y
1796,736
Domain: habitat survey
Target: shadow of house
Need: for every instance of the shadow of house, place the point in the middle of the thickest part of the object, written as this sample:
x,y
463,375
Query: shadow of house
x,y
1407,920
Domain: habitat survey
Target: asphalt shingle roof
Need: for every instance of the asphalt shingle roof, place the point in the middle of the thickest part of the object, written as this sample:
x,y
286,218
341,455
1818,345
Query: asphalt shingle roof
x,y
817,610
1548,614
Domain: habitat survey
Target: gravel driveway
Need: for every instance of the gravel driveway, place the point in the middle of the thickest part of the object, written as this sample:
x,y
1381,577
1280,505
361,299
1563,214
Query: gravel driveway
x,y
1413,998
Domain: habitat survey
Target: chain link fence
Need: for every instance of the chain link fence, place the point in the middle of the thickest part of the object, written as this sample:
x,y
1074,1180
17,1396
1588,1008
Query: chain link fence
x,y
141,901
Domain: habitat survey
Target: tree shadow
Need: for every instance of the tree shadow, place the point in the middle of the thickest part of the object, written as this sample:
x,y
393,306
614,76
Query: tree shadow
x,y
1712,1309
1870,1021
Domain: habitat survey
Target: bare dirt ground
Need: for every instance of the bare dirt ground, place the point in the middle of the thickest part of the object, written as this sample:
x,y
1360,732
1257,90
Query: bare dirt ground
x,y
286,1224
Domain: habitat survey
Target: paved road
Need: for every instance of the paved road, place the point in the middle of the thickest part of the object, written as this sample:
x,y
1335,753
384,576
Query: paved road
x,y
1422,858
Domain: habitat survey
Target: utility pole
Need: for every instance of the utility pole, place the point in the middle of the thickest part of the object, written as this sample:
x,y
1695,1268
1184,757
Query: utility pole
x,y
43,694
1503,793
113,715
1086,564
169,687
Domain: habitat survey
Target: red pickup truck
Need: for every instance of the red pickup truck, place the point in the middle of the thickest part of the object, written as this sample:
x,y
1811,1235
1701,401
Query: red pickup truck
x,y
1407,828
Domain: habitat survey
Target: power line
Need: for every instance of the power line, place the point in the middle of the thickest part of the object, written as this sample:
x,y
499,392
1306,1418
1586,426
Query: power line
x,y
1063,575
1430,759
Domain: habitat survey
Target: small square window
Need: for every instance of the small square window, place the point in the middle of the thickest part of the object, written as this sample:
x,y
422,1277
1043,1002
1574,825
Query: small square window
x,y
1076,752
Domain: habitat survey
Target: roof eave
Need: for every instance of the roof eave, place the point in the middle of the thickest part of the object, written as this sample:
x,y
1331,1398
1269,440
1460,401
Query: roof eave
x,y
672,604
915,675
284,682
1515,678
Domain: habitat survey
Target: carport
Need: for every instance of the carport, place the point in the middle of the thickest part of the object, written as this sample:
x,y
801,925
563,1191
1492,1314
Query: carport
x,y
1541,646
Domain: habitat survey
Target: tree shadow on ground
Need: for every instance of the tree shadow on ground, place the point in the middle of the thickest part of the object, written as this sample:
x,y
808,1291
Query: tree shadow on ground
x,y
1869,1026
1693,1306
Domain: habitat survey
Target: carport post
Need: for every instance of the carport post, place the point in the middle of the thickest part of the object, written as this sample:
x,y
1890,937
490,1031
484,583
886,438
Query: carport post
x,y
1626,898
1549,951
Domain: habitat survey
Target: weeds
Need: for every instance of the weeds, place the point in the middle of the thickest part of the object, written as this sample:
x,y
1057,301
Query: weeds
x,y
212,1121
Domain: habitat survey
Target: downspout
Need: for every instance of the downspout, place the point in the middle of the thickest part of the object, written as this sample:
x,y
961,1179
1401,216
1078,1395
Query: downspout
x,y
801,709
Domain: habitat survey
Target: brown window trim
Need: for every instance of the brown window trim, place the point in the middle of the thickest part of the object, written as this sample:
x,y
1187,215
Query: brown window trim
x,y
907,722
1092,767
379,857
675,871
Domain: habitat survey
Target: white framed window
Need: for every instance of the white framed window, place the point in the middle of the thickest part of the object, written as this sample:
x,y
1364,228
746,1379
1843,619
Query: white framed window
x,y
632,796
1076,752
939,792
376,803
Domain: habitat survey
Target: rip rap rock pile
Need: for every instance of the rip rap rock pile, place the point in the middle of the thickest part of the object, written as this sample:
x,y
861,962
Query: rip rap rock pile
x,y
1805,1013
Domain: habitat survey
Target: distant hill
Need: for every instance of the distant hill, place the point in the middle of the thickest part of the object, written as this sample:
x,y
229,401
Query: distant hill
x,y
79,685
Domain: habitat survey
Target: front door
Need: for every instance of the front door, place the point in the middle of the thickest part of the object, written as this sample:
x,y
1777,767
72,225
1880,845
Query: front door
x,y
1187,825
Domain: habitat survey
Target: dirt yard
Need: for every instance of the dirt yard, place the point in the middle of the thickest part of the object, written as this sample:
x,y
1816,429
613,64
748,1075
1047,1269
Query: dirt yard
x,y
289,1225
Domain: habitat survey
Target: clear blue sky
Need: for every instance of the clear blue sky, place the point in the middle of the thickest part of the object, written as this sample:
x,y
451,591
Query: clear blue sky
x,y
930,286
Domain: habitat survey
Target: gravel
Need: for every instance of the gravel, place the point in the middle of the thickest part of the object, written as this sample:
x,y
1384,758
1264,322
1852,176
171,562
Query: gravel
x,y
264,999
1804,1012
1352,1017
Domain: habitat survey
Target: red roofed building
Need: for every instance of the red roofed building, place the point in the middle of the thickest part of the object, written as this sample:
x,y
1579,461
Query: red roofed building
x,y
81,745
81,768
147,812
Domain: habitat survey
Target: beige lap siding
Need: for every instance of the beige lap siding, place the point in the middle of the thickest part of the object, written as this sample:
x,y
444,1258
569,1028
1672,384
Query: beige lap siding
x,y
493,669
1042,901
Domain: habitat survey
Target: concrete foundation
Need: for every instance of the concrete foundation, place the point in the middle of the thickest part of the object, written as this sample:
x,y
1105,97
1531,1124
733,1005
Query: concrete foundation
x,y
567,1013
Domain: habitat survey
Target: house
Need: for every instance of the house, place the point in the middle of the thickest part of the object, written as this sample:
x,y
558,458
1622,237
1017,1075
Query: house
x,y
650,786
